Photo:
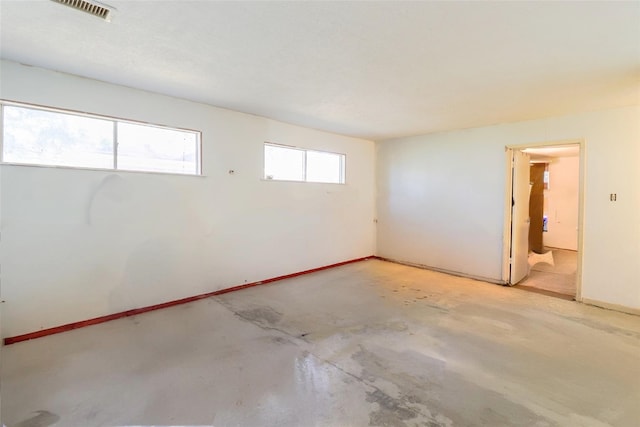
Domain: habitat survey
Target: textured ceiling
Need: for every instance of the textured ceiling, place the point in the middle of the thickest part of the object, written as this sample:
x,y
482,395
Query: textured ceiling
x,y
370,69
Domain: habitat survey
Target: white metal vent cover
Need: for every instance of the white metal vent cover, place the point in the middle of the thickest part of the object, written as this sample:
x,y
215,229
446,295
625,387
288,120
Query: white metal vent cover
x,y
89,6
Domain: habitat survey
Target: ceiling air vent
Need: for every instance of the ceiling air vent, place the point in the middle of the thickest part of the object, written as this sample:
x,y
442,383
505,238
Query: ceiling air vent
x,y
91,7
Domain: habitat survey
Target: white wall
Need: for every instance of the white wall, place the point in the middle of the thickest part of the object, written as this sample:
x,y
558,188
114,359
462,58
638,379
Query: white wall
x,y
561,203
77,244
441,198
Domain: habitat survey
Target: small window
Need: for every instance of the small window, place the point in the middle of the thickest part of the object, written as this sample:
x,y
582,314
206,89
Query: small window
x,y
43,136
149,148
47,138
285,163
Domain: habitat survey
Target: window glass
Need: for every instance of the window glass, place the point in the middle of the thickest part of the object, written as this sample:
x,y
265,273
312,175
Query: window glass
x,y
324,167
50,138
298,164
40,136
283,163
149,148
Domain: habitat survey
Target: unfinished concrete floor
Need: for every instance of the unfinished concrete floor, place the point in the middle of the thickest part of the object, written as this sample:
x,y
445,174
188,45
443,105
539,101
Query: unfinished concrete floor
x,y
559,277
370,343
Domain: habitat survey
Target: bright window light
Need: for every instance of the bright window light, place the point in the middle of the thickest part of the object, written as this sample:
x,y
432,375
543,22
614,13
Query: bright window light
x,y
325,167
296,164
40,136
283,163
48,138
148,148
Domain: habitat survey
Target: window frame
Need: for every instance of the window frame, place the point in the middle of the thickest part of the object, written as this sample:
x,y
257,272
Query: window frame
x,y
342,156
114,121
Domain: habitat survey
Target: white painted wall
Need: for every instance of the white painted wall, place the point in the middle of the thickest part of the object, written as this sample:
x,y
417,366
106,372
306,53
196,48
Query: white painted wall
x,y
441,198
561,203
77,244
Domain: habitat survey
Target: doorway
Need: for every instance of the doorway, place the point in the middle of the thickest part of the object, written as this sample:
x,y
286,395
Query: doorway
x,y
543,218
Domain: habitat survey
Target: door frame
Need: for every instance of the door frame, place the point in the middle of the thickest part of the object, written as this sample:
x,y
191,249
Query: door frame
x,y
506,242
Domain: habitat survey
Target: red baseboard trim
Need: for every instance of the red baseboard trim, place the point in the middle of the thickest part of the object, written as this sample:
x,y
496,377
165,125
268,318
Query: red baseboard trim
x,y
136,311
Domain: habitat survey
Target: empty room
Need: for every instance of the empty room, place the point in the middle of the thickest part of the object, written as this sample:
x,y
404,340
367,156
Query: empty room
x,y
319,213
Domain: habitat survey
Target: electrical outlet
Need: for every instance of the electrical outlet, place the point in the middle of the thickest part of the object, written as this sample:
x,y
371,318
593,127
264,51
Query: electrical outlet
x,y
613,197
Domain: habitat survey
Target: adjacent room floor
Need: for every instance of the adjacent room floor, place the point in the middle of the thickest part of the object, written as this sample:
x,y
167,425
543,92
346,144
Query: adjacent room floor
x,y
371,343
555,271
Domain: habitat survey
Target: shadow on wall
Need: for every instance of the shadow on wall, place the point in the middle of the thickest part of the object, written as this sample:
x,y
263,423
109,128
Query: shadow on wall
x,y
149,229
39,419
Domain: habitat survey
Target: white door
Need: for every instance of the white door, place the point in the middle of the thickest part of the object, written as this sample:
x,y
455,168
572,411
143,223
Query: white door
x,y
519,257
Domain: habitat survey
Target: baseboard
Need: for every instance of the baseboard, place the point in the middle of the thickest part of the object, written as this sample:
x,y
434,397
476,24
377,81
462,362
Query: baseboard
x,y
136,311
610,306
442,270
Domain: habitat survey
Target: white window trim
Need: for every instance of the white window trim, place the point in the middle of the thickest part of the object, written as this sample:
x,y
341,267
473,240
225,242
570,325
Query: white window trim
x,y
343,165
115,121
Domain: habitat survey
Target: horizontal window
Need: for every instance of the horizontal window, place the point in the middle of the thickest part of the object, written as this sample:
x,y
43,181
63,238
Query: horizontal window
x,y
297,164
40,136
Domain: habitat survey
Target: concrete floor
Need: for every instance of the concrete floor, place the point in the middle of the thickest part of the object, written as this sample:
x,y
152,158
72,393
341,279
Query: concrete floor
x,y
559,277
371,343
